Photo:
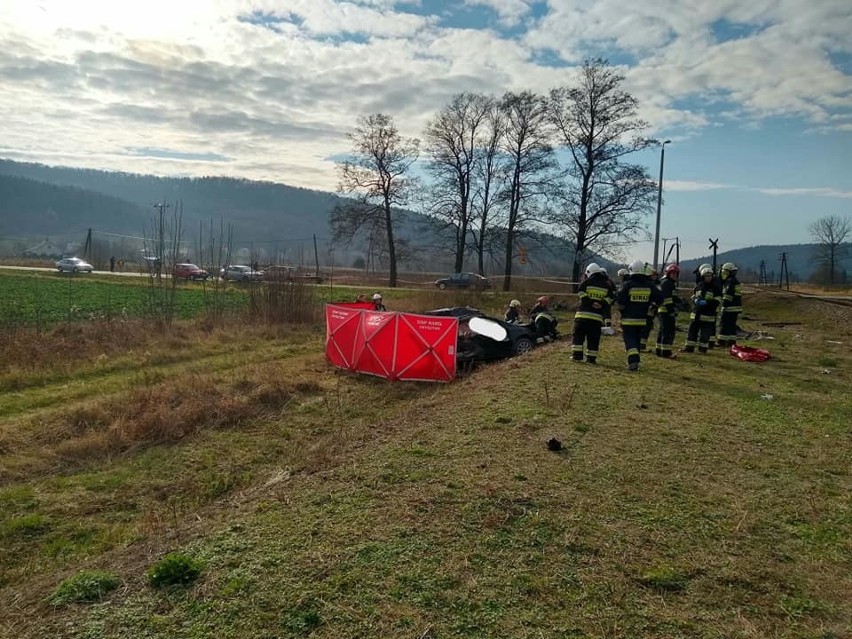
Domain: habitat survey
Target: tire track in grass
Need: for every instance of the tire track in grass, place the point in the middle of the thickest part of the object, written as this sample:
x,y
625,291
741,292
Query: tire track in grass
x,y
31,403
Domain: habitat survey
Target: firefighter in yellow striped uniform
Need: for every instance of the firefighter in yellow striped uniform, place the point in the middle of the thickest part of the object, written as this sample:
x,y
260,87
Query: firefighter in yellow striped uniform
x,y
732,304
634,299
596,294
702,326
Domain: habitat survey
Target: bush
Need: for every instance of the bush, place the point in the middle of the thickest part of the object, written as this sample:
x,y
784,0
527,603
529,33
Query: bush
x,y
86,585
174,569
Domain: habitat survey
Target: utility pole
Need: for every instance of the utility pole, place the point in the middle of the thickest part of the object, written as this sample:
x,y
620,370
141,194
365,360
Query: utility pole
x,y
659,203
714,244
87,248
785,274
316,253
763,280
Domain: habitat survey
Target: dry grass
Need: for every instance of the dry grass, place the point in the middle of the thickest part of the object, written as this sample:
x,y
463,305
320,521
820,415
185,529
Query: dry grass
x,y
682,504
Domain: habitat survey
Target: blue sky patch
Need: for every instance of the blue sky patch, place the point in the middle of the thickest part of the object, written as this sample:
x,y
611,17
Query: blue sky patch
x,y
724,30
269,20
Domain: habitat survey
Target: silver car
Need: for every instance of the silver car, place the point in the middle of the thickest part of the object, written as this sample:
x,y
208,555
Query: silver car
x,y
74,265
241,274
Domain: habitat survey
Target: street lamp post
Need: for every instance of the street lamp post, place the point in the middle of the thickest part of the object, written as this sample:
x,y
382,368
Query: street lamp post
x,y
659,204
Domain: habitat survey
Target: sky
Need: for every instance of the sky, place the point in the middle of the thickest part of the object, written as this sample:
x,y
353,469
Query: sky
x,y
756,97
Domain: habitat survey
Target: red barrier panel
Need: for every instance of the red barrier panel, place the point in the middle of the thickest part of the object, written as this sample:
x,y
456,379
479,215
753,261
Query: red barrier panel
x,y
397,346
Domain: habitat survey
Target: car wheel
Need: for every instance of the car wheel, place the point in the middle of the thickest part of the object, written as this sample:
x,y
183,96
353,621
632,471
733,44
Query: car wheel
x,y
522,345
442,286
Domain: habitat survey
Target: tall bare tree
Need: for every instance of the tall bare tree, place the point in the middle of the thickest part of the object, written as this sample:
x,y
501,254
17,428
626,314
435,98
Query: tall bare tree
x,y
605,198
530,163
490,171
376,176
452,145
831,234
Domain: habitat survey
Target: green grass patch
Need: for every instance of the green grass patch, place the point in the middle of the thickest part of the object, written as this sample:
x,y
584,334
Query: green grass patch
x,y
84,587
175,569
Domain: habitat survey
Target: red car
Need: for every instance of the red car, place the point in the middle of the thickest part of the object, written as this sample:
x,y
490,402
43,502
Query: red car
x,y
187,271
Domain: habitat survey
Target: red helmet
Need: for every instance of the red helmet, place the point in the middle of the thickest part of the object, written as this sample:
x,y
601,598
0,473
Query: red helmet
x,y
543,300
672,268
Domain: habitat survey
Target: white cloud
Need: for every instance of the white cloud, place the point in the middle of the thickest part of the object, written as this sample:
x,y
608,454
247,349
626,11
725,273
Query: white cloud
x,y
807,192
83,81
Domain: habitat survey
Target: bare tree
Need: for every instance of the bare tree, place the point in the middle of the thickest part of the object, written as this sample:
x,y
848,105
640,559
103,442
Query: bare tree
x,y
452,145
831,234
605,199
530,159
490,172
375,175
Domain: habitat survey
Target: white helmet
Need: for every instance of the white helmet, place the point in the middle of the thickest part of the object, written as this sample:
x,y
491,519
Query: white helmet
x,y
592,268
377,297
636,268
623,272
514,304
703,266
706,270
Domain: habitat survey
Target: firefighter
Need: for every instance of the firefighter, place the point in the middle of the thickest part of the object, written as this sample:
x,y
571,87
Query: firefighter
x,y
595,294
543,320
607,328
513,312
377,303
652,309
732,304
702,326
634,299
668,311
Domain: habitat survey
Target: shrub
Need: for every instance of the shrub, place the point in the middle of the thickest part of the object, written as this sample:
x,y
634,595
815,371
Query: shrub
x,y
175,569
86,585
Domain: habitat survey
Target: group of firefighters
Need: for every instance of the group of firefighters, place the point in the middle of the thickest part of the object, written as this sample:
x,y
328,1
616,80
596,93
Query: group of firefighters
x,y
642,296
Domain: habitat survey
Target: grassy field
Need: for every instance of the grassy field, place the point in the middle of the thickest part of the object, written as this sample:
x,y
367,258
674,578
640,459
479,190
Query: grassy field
x,y
702,497
45,299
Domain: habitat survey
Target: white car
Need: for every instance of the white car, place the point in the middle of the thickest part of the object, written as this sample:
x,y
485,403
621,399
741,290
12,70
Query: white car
x,y
241,273
74,265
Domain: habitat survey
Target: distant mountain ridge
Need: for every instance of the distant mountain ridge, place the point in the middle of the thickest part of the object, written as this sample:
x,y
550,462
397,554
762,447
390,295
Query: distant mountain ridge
x,y
275,220
800,260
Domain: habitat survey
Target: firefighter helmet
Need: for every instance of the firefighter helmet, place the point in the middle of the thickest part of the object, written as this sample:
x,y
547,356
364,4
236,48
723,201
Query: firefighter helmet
x,y
730,267
543,300
672,269
377,297
514,304
705,270
592,268
623,272
636,268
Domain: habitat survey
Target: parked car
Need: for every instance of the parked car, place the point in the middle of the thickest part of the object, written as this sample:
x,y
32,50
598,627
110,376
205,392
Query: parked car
x,y
73,265
241,273
188,271
474,343
463,280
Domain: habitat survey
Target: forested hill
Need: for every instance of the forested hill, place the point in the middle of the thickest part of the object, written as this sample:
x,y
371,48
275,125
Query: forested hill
x,y
800,260
40,201
258,210
32,209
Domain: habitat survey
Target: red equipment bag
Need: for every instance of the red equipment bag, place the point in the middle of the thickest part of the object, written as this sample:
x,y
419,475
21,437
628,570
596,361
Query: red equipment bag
x,y
749,353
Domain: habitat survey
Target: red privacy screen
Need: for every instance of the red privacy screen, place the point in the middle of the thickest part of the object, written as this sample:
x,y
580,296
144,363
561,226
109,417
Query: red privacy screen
x,y
396,346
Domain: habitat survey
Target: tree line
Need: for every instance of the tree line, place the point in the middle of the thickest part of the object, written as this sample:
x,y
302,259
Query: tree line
x,y
498,168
